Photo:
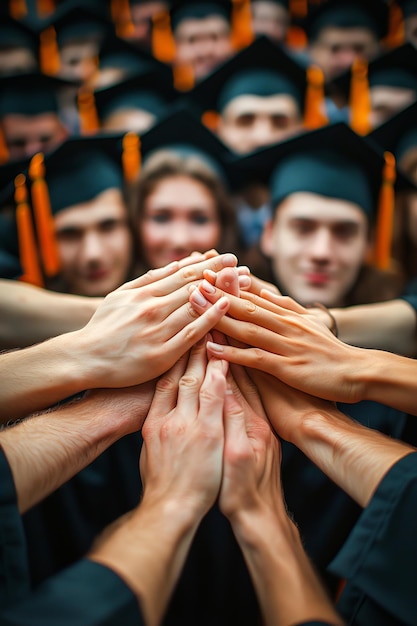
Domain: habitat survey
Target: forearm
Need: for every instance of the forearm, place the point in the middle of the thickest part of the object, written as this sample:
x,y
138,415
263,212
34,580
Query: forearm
x,y
37,377
355,457
147,548
288,589
385,326
45,451
30,314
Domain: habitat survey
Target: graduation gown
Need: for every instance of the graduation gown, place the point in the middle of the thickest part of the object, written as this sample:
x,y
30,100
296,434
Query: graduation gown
x,y
86,593
379,559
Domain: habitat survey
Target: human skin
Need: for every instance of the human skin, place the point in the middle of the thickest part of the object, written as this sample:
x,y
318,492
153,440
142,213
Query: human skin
x,y
180,215
136,334
25,135
251,497
284,339
184,427
249,121
317,246
94,244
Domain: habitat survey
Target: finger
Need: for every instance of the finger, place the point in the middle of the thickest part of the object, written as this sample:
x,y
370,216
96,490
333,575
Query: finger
x,y
192,272
235,435
166,390
192,379
249,390
249,357
191,333
257,284
151,276
284,302
211,398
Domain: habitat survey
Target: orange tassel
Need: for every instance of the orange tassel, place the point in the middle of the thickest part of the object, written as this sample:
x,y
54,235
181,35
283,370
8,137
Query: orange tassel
x,y
396,34
314,115
296,38
48,52
4,151
89,120
360,99
131,157
210,119
298,8
122,18
28,251
17,9
43,216
163,43
385,217
45,7
242,33
183,77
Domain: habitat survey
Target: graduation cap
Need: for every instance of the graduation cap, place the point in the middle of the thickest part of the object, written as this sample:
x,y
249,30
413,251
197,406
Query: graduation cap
x,y
187,9
261,69
408,7
372,14
396,68
76,172
398,134
152,92
31,94
182,132
74,23
335,162
17,34
117,53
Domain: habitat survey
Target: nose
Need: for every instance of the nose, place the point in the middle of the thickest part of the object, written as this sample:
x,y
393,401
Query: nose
x,y
263,132
180,237
345,58
91,248
320,246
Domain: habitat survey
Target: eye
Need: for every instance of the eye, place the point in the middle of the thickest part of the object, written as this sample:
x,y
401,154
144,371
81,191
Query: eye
x,y
160,218
303,227
200,219
345,231
245,120
280,121
109,225
68,235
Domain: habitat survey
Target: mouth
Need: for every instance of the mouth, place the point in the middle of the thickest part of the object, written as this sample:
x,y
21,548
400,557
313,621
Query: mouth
x,y
317,278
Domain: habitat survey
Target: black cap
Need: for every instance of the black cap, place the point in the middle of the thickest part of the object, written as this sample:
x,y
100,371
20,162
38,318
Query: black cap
x,y
262,68
399,133
152,92
118,53
395,68
15,33
31,94
81,168
408,7
74,22
332,161
188,9
182,132
372,14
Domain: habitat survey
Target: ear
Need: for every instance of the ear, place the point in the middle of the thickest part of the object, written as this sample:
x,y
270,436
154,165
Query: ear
x,y
265,242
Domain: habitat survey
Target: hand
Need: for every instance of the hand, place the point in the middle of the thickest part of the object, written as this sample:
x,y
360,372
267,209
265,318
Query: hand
x,y
290,343
252,453
181,460
141,329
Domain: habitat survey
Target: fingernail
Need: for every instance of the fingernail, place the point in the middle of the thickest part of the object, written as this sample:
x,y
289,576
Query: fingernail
x,y
243,270
215,347
199,298
222,304
210,276
229,259
244,282
208,288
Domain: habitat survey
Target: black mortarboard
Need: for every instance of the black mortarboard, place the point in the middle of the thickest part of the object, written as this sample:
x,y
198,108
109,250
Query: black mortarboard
x,y
31,94
183,133
15,33
187,9
153,92
262,68
332,161
372,14
399,133
75,23
395,68
408,7
118,53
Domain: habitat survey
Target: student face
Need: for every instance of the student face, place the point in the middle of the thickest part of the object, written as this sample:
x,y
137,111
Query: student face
x,y
203,44
179,217
136,120
335,49
78,61
249,122
95,244
270,19
25,135
142,14
317,246
387,101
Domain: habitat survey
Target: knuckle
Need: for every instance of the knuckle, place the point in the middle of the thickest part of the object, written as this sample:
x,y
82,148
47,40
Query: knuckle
x,y
189,273
166,384
188,381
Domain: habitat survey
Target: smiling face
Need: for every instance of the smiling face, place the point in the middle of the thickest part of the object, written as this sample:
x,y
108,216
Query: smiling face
x,y
95,244
317,246
179,216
